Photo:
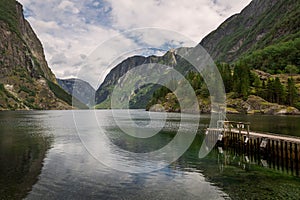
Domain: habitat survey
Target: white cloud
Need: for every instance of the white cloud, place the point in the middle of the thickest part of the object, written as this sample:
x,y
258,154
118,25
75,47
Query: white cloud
x,y
71,29
194,18
68,6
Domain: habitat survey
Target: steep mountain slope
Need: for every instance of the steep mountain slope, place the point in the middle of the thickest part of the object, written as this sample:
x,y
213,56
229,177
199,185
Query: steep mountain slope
x,y
80,89
26,81
141,96
260,24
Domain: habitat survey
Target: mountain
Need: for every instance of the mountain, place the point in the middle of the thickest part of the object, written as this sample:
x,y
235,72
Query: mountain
x,y
26,81
142,95
80,89
260,24
265,36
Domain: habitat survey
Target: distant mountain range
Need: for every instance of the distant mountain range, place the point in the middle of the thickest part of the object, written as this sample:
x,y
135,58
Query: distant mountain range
x,y
80,89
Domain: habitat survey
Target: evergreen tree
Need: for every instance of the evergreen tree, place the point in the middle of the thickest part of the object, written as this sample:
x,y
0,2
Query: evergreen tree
x,y
241,79
278,91
292,93
270,90
226,74
292,70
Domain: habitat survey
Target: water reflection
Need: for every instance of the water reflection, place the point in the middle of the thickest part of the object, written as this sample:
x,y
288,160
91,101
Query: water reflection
x,y
23,147
244,176
69,171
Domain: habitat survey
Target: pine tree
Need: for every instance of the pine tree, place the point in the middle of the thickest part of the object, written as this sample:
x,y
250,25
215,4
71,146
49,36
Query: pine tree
x,y
241,79
226,74
278,91
270,90
292,93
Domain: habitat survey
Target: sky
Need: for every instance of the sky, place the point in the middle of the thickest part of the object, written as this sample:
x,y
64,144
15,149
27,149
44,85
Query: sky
x,y
72,30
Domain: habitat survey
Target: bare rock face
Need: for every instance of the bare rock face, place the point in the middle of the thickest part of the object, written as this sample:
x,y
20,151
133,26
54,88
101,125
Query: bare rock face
x,y
24,73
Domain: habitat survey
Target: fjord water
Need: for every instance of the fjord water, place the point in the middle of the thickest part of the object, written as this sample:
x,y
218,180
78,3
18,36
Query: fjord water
x,y
42,156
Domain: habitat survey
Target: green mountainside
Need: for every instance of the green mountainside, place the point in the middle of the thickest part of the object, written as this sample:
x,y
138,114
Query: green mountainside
x,y
26,81
258,54
259,25
140,96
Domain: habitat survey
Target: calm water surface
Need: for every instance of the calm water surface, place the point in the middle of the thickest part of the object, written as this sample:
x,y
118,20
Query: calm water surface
x,y
42,156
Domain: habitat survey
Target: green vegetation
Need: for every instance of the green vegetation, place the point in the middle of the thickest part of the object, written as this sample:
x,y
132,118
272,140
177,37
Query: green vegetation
x,y
276,58
292,69
63,95
142,96
241,81
26,90
245,33
292,96
8,14
2,89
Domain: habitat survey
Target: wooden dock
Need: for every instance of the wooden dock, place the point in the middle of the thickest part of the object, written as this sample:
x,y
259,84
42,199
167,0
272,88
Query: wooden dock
x,y
273,150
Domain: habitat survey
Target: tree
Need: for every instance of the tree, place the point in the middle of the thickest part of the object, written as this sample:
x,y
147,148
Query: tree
x,y
262,91
279,95
270,90
226,74
292,93
292,69
241,79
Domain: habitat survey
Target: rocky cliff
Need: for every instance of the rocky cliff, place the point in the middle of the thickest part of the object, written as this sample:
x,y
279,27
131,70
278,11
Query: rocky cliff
x,y
26,81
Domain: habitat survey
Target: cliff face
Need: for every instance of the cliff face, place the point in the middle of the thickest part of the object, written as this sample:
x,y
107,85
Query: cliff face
x,y
24,74
34,44
260,24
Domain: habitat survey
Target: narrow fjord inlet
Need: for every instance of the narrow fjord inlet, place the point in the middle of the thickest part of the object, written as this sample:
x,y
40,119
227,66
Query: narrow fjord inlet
x,y
51,163
128,99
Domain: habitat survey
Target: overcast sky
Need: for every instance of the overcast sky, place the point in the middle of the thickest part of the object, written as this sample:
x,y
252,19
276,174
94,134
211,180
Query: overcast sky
x,y
71,30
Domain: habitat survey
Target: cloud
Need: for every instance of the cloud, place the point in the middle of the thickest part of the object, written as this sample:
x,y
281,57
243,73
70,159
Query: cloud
x,y
71,30
194,18
68,6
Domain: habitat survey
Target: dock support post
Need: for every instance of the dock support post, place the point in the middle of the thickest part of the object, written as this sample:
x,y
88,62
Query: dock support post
x,y
286,157
291,158
273,154
277,154
296,159
282,155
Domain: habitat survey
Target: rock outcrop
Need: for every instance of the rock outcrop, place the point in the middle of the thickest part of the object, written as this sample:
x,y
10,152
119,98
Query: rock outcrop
x,y
257,105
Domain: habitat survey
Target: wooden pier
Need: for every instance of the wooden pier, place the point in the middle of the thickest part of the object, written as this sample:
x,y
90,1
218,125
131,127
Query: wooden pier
x,y
272,150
